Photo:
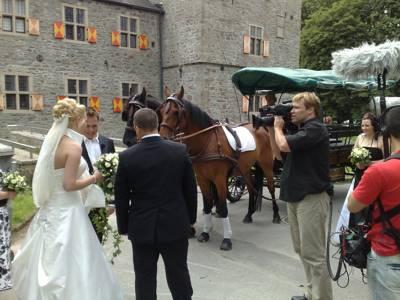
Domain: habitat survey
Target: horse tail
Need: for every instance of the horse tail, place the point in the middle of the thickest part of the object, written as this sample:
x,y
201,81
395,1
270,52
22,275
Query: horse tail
x,y
258,185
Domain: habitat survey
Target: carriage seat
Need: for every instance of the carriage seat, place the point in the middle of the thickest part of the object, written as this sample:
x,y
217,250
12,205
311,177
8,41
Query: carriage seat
x,y
247,142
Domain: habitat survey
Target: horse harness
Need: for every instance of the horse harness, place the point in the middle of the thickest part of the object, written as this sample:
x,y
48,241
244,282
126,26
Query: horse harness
x,y
132,104
202,156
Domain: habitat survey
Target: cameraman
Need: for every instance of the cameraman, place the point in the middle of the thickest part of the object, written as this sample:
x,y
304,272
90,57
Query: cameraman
x,y
304,185
383,180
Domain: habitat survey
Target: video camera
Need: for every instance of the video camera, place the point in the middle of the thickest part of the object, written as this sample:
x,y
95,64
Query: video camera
x,y
268,113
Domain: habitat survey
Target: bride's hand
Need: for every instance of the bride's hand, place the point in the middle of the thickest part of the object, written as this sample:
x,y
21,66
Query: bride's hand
x,y
361,166
99,177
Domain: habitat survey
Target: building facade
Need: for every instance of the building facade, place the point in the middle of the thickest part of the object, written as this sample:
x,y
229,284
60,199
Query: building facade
x,y
95,51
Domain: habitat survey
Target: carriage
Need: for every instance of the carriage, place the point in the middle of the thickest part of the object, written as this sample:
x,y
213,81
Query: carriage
x,y
257,82
215,161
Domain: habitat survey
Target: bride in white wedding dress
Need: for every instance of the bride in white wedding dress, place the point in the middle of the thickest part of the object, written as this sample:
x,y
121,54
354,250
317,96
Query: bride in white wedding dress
x,y
61,257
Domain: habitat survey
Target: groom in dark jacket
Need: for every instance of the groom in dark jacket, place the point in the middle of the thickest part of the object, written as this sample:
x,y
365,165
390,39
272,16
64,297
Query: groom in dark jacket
x,y
93,146
156,202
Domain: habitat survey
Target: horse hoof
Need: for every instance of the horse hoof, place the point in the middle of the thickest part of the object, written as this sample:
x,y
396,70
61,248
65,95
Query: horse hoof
x,y
276,220
248,219
226,245
203,237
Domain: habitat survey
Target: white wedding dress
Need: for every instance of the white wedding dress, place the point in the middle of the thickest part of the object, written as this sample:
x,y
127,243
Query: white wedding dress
x,y
61,257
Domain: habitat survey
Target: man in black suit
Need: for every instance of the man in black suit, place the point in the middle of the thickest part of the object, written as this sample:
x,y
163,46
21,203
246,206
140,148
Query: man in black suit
x,y
156,201
93,146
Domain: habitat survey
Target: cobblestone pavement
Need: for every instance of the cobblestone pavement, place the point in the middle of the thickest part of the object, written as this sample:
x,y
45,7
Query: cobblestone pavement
x,y
261,266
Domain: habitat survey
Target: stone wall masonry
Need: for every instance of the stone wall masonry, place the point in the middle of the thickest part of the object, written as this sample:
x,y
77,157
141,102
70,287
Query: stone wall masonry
x,y
104,65
205,68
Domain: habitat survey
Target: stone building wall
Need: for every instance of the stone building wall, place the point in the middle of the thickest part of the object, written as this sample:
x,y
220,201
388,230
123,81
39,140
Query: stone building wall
x,y
104,65
203,46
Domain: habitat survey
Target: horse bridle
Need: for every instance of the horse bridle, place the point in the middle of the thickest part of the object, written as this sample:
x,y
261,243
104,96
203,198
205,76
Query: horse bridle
x,y
181,109
133,104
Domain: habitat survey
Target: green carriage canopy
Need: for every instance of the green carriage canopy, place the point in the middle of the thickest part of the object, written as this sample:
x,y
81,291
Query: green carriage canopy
x,y
285,80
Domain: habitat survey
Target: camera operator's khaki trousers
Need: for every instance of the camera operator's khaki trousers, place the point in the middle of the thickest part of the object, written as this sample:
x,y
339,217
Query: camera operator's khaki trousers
x,y
307,219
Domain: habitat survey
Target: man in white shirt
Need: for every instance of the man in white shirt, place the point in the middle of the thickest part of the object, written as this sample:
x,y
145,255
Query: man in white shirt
x,y
93,146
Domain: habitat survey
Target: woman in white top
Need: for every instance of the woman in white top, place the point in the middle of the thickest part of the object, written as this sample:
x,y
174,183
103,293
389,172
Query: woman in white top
x,y
61,257
371,139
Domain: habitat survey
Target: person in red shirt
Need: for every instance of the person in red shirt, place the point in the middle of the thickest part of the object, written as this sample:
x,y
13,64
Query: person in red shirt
x,y
382,180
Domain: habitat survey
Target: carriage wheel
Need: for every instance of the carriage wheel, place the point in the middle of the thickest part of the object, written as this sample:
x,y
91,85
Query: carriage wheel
x,y
236,187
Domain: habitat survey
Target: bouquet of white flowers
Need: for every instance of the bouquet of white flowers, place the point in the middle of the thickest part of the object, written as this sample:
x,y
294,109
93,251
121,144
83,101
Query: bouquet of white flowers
x,y
360,155
107,164
13,181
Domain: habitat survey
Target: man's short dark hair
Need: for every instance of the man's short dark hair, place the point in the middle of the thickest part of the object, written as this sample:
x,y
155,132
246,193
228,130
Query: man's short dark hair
x,y
146,119
391,122
91,112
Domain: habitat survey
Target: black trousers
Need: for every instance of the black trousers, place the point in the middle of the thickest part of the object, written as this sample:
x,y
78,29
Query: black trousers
x,y
174,255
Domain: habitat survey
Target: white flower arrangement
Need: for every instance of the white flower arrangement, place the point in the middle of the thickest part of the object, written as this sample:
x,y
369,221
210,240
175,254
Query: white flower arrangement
x,y
13,181
360,155
107,164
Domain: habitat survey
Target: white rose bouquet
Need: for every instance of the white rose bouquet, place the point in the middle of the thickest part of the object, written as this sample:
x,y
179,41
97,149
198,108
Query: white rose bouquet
x,y
107,164
360,155
13,181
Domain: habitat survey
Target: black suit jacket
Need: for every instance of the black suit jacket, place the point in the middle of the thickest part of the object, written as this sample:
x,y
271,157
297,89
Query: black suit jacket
x,y
106,146
155,192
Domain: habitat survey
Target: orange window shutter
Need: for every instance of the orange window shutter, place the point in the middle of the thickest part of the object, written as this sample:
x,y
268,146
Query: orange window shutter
x,y
94,102
58,30
1,102
245,104
58,98
143,42
117,105
115,38
33,26
92,35
37,102
266,49
246,44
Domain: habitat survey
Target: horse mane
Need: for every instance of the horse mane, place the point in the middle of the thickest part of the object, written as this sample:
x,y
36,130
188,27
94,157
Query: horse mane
x,y
152,102
198,116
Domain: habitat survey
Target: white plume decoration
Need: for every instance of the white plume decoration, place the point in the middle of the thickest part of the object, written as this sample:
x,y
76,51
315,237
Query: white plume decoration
x,y
367,60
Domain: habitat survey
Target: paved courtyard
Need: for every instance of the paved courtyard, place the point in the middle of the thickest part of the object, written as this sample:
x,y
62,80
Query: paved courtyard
x,y
261,266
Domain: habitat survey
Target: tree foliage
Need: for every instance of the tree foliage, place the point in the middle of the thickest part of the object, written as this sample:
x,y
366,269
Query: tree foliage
x,y
331,25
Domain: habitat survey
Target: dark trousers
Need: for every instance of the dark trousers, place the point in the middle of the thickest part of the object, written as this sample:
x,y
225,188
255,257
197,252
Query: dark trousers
x,y
174,255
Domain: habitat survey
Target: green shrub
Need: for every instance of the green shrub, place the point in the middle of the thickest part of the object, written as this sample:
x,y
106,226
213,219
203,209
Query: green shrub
x,y
23,209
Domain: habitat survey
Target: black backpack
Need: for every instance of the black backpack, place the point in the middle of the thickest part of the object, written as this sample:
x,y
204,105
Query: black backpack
x,y
354,245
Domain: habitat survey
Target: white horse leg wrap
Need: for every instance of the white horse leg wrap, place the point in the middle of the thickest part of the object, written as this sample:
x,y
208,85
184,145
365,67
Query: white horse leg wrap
x,y
227,228
207,226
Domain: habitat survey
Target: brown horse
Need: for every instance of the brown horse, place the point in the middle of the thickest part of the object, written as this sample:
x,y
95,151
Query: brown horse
x,y
214,160
134,103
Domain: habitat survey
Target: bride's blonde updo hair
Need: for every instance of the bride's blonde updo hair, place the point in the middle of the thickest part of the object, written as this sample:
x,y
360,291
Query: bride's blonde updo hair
x,y
69,107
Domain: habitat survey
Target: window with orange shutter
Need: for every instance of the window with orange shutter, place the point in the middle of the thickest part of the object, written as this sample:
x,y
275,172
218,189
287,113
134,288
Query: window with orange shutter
x,y
16,92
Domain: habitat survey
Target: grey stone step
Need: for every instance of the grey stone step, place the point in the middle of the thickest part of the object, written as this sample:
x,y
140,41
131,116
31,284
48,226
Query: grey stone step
x,y
27,137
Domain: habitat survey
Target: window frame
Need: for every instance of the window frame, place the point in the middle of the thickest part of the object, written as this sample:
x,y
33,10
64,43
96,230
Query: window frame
x,y
74,23
255,104
17,92
125,98
14,17
78,95
254,38
128,32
